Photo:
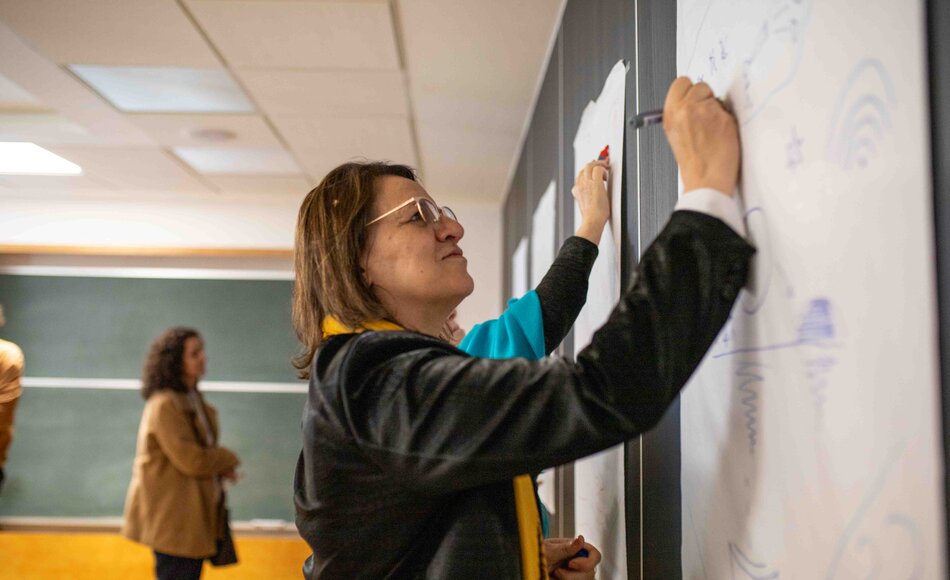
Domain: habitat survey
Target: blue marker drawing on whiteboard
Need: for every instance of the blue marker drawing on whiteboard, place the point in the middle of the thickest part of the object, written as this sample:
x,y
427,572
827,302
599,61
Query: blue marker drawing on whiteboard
x,y
862,116
816,372
793,150
863,533
816,329
775,57
817,323
748,568
750,379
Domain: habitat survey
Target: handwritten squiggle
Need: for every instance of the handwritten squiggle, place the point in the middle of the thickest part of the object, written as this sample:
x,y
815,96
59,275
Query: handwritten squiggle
x,y
751,568
749,378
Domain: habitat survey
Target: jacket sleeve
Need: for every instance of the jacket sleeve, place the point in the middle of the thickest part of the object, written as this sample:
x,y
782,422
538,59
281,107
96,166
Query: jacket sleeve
x,y
176,438
518,332
563,290
441,420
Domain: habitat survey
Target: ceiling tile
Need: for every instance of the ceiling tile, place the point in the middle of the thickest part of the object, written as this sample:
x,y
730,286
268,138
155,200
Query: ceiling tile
x,y
78,183
465,162
280,34
257,161
321,144
14,97
41,128
261,185
183,130
473,68
166,89
134,169
110,32
328,93
62,92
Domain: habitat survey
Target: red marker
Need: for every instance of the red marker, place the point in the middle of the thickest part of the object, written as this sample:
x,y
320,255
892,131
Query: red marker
x,y
604,154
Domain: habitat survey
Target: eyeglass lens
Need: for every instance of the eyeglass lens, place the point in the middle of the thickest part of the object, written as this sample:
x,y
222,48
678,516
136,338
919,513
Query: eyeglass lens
x,y
432,212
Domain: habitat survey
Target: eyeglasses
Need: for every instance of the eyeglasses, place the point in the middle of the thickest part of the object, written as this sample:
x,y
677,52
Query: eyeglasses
x,y
430,212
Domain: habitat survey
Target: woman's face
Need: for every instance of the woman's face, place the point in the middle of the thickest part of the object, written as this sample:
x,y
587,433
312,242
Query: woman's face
x,y
193,360
414,266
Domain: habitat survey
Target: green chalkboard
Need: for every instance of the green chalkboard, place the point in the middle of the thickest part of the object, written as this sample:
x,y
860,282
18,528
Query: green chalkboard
x,y
102,327
72,456
73,447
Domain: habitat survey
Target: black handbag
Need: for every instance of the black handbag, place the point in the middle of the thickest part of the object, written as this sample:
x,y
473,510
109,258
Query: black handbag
x,y
225,554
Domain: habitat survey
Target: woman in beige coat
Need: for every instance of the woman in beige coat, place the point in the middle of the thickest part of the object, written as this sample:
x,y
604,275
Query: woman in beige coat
x,y
172,504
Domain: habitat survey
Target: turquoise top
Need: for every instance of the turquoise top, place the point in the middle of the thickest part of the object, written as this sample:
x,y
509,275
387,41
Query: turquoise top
x,y
517,333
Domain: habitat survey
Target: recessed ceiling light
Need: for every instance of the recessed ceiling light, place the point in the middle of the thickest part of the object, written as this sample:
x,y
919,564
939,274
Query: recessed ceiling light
x,y
212,135
142,89
31,159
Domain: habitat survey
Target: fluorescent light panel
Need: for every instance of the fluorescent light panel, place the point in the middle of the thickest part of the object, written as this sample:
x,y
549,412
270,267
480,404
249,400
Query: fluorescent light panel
x,y
140,89
17,158
238,161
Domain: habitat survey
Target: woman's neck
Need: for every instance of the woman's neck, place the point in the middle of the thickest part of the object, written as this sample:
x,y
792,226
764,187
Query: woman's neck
x,y
427,319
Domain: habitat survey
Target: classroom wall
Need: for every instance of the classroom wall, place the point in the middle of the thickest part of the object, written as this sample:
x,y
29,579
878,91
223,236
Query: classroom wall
x,y
160,221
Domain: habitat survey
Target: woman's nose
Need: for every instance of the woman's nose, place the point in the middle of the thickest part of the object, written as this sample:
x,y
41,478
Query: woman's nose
x,y
448,228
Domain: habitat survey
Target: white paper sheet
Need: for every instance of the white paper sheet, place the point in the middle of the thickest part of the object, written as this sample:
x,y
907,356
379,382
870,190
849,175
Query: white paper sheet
x,y
810,434
519,269
543,234
543,252
599,479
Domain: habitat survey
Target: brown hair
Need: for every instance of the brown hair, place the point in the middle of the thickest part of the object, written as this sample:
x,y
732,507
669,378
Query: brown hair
x,y
330,240
163,365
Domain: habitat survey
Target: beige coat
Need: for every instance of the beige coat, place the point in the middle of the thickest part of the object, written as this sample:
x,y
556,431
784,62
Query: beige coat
x,y
172,503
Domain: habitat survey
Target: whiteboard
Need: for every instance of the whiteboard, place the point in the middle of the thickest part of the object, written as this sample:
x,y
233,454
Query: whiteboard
x,y
599,479
810,433
543,234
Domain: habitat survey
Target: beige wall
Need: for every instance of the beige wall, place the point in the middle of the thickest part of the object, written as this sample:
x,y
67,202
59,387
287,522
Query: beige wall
x,y
214,222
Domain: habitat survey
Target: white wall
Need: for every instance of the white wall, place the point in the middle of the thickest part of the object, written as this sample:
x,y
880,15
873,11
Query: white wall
x,y
482,247
172,221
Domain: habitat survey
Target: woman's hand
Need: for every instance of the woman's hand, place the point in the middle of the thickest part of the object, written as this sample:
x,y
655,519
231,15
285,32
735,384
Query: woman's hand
x,y
703,135
562,563
451,331
590,191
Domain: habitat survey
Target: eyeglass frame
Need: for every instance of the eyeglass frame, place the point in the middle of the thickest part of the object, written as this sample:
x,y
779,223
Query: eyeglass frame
x,y
440,210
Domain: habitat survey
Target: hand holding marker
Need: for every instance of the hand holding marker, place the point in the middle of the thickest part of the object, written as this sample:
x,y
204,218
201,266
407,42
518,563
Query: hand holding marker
x,y
646,119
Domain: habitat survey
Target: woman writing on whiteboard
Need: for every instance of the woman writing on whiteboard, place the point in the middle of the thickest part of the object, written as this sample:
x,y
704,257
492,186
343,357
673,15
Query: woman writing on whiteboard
x,y
414,453
174,500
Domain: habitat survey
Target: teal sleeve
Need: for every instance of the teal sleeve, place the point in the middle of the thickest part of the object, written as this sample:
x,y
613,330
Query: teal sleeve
x,y
517,333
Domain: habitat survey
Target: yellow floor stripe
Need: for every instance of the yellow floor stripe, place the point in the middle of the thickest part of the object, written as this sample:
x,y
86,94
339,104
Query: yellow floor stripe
x,y
41,556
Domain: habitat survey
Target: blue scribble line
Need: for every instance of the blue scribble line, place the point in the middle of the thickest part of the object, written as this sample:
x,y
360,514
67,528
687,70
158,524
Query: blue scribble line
x,y
777,346
791,75
815,372
752,569
816,329
750,378
877,485
910,527
853,120
817,323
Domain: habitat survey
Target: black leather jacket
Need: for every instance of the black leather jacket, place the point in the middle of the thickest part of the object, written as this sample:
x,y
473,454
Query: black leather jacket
x,y
410,445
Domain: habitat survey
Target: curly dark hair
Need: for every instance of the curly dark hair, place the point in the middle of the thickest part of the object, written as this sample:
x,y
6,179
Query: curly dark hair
x,y
163,365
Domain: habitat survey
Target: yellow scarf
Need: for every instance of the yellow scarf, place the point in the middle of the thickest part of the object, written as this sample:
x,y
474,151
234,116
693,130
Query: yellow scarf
x,y
333,326
533,565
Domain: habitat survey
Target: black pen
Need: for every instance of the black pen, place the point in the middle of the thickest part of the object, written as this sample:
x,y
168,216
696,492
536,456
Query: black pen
x,y
647,118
